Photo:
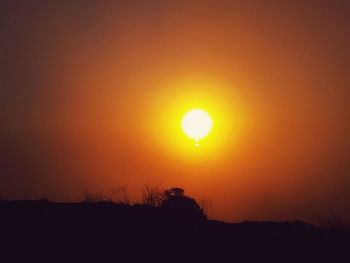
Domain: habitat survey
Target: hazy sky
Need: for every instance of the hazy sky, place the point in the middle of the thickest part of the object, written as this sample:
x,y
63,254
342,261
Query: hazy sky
x,y
88,87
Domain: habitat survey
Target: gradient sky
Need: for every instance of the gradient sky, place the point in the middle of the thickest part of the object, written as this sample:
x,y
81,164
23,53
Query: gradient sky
x,y
87,87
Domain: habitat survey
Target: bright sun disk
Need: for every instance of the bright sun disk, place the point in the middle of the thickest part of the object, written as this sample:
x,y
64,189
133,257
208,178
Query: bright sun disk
x,y
197,124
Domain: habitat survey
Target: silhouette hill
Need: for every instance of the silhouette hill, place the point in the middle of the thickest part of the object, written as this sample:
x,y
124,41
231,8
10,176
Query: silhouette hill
x,y
47,231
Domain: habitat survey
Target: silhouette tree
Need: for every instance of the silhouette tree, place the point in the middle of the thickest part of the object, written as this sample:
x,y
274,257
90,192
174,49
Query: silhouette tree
x,y
152,195
174,192
180,205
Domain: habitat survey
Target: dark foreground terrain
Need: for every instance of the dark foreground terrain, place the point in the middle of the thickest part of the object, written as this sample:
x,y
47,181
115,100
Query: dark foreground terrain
x,y
33,231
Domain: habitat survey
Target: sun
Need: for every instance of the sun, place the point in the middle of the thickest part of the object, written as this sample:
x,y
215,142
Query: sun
x,y
197,124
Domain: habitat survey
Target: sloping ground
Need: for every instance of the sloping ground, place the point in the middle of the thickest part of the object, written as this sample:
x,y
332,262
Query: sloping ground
x,y
120,233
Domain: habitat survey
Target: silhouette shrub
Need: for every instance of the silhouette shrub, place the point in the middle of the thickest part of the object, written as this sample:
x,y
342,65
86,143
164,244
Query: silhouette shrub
x,y
179,205
152,195
92,197
122,195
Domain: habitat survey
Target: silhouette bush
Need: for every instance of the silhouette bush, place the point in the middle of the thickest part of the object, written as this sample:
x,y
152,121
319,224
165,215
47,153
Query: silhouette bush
x,y
92,197
205,204
122,195
152,195
180,205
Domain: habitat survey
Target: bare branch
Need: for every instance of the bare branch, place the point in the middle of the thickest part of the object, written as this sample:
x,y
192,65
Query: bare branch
x,y
152,195
122,195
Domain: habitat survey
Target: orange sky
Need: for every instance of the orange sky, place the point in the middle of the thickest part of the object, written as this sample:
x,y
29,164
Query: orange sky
x,y
86,90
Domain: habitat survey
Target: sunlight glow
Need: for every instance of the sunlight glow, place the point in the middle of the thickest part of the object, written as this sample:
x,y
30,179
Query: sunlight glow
x,y
197,124
195,120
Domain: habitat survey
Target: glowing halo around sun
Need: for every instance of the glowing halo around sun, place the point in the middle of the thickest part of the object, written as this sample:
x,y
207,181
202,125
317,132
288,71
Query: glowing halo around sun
x,y
197,124
195,120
